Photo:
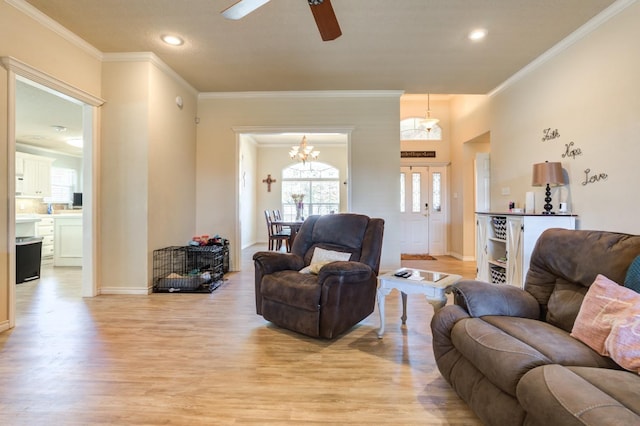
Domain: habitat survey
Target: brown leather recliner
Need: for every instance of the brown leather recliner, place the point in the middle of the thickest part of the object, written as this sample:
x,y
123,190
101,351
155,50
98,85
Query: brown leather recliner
x,y
341,294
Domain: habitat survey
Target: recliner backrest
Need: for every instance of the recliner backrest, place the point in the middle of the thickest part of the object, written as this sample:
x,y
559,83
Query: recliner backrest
x,y
564,263
347,232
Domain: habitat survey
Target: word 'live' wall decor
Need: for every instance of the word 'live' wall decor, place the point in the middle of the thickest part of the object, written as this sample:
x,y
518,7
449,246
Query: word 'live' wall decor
x,y
572,151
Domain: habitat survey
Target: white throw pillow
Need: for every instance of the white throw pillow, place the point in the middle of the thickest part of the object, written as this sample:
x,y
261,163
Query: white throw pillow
x,y
321,257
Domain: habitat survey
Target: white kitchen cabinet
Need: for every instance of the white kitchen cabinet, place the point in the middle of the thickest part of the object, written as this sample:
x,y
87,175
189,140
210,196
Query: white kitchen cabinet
x,y
36,175
44,229
67,240
505,242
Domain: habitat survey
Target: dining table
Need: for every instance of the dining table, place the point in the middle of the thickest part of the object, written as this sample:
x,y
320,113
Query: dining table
x,y
293,225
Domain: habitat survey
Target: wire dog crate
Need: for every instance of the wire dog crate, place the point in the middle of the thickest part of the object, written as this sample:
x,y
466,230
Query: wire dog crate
x,y
189,269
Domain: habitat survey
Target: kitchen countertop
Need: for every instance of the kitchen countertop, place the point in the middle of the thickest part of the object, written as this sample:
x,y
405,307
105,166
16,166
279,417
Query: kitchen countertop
x,y
27,218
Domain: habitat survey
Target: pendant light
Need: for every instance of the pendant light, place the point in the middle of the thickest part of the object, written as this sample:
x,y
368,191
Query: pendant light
x,y
429,121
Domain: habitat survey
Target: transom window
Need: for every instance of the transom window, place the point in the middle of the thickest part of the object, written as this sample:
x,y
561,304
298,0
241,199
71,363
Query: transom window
x,y
318,182
411,129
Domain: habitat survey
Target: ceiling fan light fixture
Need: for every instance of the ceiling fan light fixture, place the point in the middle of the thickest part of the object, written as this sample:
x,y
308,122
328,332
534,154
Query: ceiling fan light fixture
x,y
172,40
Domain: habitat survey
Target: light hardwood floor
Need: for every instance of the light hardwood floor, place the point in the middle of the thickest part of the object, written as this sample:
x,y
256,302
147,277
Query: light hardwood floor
x,y
203,359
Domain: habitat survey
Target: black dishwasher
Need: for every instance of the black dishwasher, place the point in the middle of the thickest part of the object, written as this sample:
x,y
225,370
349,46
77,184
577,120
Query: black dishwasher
x,y
28,257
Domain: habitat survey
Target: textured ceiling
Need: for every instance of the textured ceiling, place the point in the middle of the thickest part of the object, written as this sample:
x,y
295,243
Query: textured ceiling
x,y
418,46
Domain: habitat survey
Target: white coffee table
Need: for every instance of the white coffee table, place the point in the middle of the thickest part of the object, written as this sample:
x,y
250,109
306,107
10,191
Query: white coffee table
x,y
434,285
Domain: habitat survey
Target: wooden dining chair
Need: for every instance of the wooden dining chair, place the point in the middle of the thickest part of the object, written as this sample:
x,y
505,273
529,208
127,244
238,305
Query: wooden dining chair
x,y
280,228
276,237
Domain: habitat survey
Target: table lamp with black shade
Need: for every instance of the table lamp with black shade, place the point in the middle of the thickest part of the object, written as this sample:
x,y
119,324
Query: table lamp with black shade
x,y
548,174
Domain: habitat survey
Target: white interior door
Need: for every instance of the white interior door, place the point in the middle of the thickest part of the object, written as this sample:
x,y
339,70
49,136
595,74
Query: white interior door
x,y
482,166
414,210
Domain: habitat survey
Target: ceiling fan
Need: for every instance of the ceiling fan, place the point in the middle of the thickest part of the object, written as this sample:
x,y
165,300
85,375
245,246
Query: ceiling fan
x,y
322,12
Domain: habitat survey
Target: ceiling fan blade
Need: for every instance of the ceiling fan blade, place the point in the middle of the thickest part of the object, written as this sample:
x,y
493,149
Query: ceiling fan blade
x,y
325,19
242,8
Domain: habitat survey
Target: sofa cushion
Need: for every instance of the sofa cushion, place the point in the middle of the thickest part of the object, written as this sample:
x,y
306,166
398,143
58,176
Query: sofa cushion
x,y
293,289
552,342
557,395
605,304
505,348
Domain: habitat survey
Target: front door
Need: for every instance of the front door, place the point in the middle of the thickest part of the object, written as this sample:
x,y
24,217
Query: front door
x,y
422,209
414,210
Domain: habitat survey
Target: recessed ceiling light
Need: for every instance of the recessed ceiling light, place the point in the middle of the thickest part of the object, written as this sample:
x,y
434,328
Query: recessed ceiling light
x,y
59,128
172,40
477,34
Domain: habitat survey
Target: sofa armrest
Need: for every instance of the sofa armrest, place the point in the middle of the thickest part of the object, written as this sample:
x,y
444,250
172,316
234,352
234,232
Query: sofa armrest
x,y
480,298
346,271
271,261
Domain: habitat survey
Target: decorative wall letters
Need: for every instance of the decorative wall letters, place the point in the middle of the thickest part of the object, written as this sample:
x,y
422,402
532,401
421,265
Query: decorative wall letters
x,y
593,178
548,134
571,151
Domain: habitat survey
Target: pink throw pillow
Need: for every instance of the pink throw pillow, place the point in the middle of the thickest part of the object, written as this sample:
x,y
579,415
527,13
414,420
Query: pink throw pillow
x,y
623,343
606,304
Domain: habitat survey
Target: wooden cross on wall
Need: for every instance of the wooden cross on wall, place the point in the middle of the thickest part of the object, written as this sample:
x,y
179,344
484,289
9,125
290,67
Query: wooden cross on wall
x,y
268,181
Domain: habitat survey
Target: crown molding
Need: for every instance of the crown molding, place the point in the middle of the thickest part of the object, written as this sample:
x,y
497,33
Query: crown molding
x,y
586,29
293,129
48,82
153,59
54,26
305,94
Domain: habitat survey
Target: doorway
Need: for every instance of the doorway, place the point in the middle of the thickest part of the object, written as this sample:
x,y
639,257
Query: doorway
x,y
423,210
264,152
18,71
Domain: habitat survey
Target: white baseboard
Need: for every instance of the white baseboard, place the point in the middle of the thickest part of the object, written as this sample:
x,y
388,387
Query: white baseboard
x,y
461,257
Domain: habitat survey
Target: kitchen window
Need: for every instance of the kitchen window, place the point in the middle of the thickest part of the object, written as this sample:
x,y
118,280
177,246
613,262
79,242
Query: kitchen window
x,y
63,184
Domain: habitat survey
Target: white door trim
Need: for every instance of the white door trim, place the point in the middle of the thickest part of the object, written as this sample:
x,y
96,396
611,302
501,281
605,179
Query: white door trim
x,y
15,70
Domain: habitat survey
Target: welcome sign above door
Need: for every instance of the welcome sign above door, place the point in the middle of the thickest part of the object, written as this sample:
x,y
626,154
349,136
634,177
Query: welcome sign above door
x,y
417,154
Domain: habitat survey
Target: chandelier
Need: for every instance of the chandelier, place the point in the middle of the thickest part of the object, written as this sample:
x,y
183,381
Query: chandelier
x,y
428,121
303,152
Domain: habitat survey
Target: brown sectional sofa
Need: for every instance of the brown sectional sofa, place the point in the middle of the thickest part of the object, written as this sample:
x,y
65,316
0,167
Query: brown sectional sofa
x,y
508,352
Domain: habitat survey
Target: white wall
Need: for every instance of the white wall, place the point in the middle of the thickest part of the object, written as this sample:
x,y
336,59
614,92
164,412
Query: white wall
x,y
147,163
247,191
272,160
470,118
375,147
589,93
124,168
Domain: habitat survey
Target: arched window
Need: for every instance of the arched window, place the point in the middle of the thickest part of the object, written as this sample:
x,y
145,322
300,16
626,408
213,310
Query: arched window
x,y
411,129
318,182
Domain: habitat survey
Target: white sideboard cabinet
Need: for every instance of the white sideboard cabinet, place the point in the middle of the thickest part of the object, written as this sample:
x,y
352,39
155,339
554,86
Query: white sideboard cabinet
x,y
505,242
